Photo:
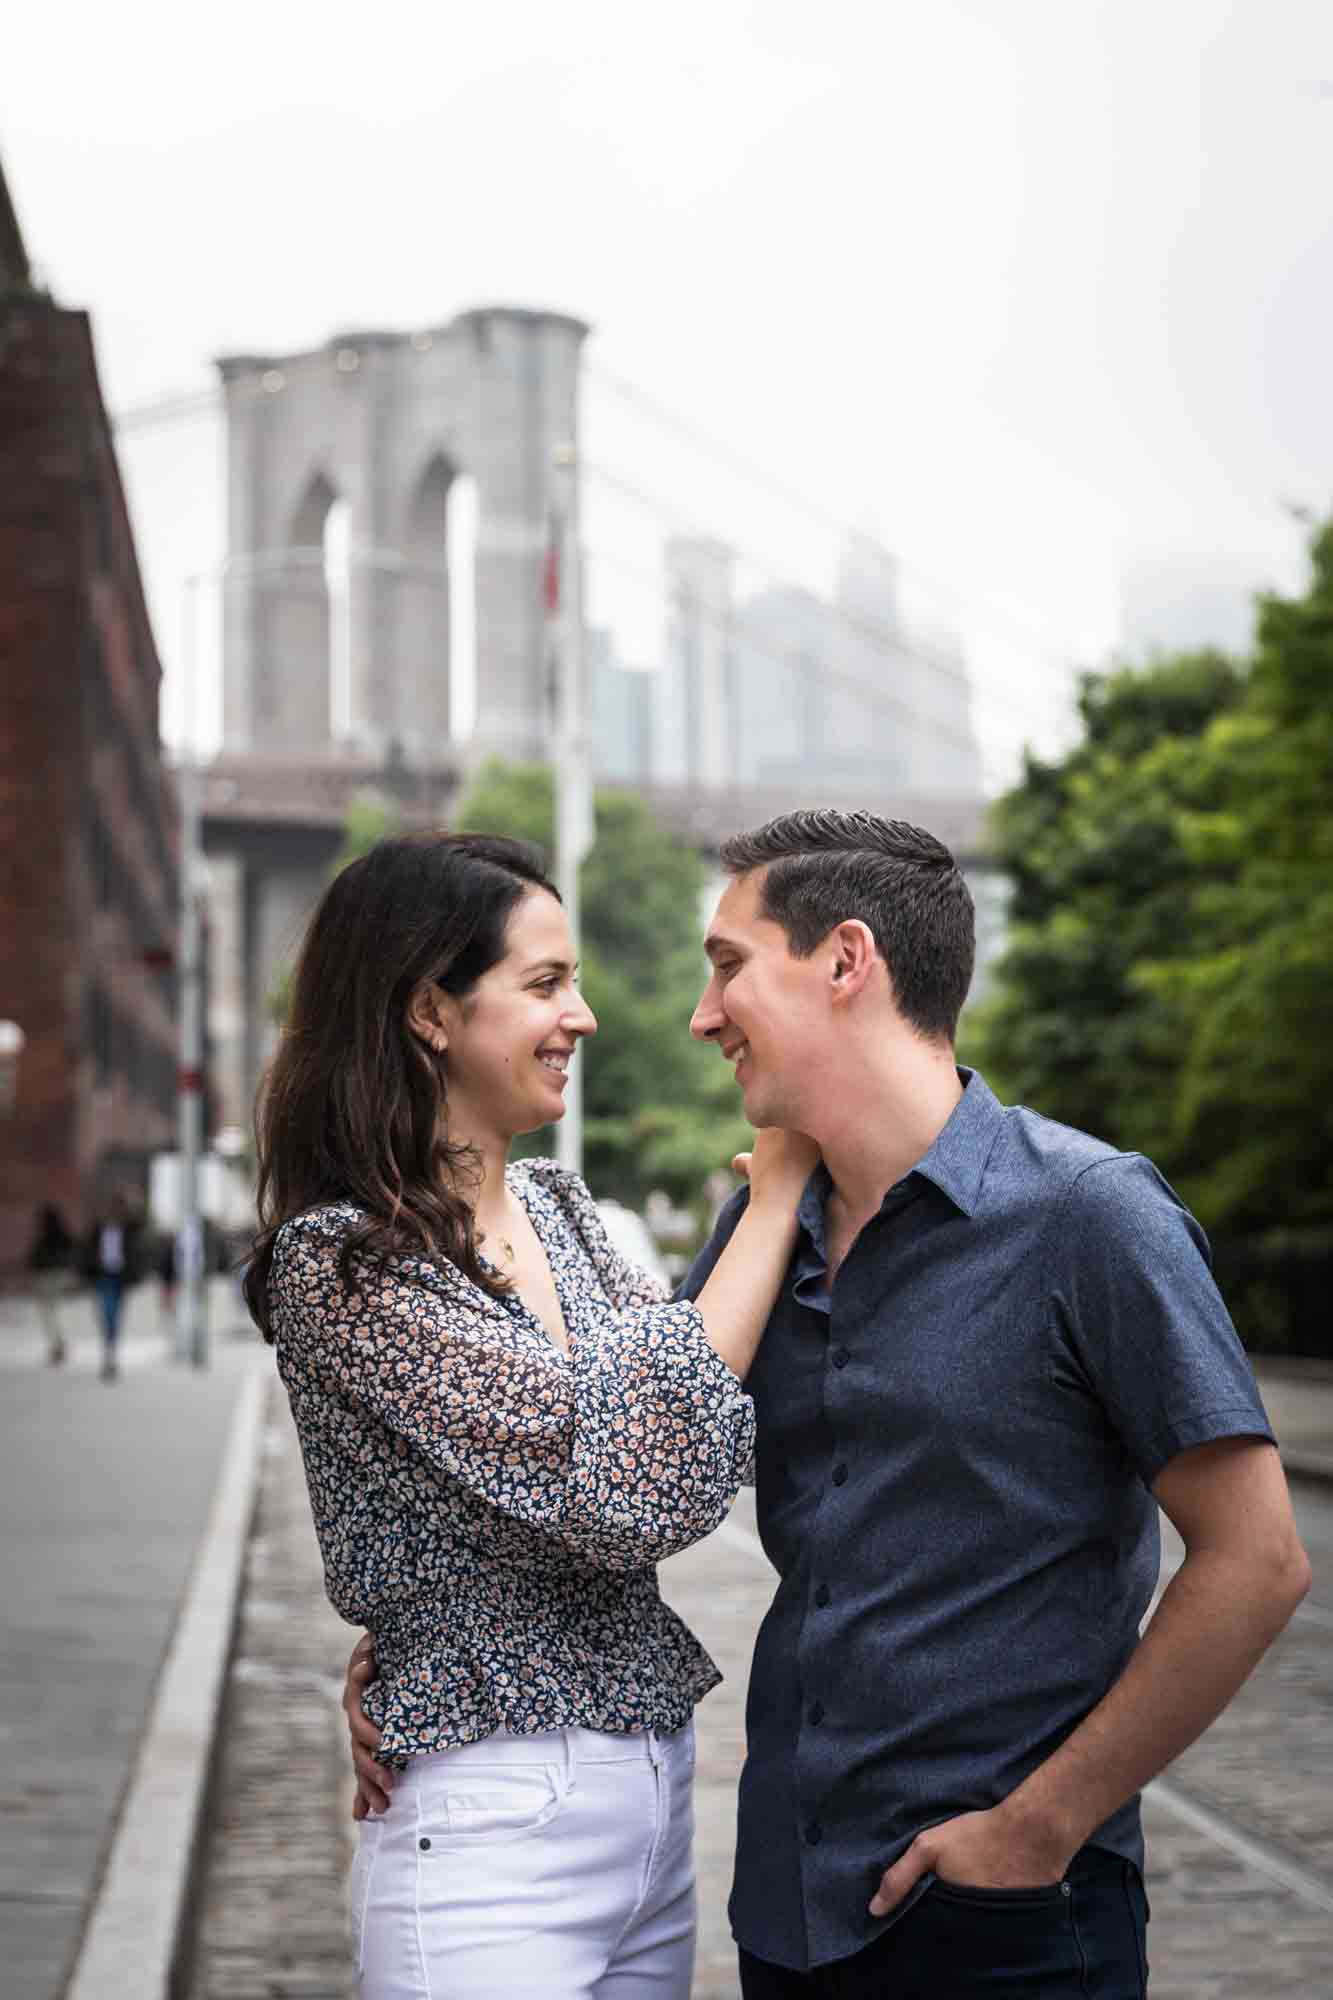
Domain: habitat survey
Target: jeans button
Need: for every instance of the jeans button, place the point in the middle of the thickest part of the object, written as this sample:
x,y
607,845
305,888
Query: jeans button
x,y
423,1843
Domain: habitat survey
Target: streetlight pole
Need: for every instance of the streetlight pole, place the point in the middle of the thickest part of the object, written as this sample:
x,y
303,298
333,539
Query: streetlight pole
x,y
573,775
191,1292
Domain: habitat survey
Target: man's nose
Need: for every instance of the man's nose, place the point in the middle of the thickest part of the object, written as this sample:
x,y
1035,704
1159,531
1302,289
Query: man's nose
x,y
706,1020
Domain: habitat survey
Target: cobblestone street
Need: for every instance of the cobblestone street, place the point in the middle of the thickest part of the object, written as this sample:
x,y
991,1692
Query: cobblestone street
x,y
271,1922
1223,1926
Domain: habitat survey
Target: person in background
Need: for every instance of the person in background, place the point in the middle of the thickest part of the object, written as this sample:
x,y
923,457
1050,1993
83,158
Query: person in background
x,y
51,1262
167,1277
111,1255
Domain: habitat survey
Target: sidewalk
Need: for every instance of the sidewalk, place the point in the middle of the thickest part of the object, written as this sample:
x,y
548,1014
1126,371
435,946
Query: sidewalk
x,y
105,1488
1299,1398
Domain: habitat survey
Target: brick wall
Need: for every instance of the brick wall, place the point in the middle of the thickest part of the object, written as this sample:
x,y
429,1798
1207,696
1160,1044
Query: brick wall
x,y
88,832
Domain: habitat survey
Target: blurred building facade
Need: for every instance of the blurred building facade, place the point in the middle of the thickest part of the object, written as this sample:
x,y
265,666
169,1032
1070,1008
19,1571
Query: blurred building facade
x,y
88,826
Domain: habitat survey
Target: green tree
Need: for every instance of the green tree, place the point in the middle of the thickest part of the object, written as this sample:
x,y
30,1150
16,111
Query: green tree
x,y
1170,972
1104,878
660,1110
1253,1106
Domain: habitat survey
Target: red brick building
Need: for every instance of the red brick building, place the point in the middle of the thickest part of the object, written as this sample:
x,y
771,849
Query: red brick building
x,y
88,829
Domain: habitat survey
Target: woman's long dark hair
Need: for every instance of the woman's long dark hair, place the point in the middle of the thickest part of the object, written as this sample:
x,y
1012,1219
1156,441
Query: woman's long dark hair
x,y
352,1108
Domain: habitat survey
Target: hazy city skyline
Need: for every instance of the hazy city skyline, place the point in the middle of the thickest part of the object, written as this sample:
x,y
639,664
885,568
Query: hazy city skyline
x,y
1043,292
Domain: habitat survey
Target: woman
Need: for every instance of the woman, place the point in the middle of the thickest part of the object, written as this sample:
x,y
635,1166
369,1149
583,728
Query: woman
x,y
504,1427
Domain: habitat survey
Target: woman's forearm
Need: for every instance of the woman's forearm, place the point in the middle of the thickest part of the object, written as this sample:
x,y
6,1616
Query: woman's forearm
x,y
743,1286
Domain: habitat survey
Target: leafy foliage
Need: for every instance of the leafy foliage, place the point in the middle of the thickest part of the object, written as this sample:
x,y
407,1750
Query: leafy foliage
x,y
1170,971
660,1110
1103,882
1253,1105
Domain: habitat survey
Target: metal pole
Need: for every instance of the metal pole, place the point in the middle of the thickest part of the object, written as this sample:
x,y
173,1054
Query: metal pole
x,y
573,775
191,1298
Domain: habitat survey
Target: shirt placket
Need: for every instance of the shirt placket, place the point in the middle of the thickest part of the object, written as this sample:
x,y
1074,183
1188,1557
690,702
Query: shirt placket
x,y
832,1579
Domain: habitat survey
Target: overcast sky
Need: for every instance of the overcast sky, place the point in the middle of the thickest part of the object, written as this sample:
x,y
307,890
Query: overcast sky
x,y
1041,287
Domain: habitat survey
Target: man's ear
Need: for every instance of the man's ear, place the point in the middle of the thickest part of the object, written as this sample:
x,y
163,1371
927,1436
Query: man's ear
x,y
852,958
426,1017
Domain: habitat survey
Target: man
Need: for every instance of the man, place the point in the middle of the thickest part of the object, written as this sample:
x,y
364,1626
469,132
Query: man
x,y
997,1352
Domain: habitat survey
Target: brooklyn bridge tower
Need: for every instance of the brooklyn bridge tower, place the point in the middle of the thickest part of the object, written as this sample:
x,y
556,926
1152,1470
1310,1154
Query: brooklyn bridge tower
x,y
390,499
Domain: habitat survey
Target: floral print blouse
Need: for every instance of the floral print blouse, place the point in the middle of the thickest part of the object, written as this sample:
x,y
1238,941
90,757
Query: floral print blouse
x,y
491,1508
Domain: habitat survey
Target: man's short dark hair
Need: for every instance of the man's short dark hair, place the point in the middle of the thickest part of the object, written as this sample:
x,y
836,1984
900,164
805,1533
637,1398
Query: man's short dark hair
x,y
824,868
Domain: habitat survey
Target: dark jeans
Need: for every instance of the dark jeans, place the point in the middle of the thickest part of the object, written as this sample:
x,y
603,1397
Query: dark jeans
x,y
110,1289
1083,1939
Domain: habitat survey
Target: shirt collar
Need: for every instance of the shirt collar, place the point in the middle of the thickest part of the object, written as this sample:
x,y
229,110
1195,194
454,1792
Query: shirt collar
x,y
955,1163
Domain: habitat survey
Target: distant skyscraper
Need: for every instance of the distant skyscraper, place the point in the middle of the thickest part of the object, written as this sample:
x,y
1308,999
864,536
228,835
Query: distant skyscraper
x,y
792,689
621,708
694,715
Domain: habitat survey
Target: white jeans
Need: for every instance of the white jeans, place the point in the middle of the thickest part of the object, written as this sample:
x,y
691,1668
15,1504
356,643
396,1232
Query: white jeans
x,y
559,1865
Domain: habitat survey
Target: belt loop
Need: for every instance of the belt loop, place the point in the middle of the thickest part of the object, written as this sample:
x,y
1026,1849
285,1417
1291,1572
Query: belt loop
x,y
570,1758
655,1749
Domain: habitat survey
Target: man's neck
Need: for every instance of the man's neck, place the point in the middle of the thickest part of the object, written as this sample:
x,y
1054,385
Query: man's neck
x,y
878,1131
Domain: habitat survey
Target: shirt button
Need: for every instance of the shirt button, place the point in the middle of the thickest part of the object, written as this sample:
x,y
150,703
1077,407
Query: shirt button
x,y
816,1713
840,1357
822,1595
814,1833
423,1843
840,1475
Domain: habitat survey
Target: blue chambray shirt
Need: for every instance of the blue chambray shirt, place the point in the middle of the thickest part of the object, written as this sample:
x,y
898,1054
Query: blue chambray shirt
x,y
955,1449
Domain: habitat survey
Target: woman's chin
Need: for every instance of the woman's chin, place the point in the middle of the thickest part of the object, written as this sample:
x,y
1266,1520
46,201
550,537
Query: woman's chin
x,y
535,1120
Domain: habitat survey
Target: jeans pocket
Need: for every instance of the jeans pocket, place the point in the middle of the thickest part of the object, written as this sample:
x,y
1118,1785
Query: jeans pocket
x,y
1054,1894
487,1805
370,1833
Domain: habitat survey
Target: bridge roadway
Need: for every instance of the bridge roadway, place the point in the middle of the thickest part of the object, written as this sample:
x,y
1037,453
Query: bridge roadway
x,y
1240,1833
255,805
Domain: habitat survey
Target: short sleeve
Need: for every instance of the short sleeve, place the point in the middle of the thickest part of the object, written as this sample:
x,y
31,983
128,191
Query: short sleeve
x,y
1134,1298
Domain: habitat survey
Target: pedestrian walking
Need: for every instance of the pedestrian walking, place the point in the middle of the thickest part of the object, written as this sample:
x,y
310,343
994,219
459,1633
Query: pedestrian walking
x,y
996,1353
504,1427
167,1263
111,1259
51,1259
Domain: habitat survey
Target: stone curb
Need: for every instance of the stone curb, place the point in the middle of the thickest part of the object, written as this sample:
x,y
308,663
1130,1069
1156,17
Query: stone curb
x,y
132,1942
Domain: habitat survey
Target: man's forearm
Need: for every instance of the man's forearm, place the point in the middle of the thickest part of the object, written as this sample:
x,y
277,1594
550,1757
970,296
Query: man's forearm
x,y
1216,1619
